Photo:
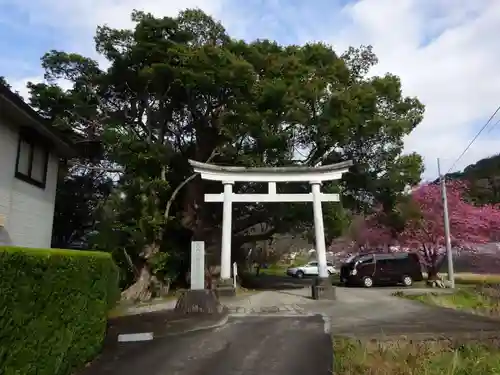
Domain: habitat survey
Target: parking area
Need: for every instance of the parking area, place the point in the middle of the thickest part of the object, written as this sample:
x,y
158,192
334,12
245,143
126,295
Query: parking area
x,y
373,312
376,312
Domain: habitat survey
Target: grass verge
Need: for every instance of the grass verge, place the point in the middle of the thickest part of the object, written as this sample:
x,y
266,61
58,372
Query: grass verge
x,y
474,278
404,357
273,270
465,280
479,300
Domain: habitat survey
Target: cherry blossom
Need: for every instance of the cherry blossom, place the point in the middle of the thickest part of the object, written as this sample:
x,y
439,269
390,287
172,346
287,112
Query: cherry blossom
x,y
470,226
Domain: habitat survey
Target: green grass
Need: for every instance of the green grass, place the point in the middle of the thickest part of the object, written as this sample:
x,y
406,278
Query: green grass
x,y
480,300
274,270
475,279
465,280
278,269
478,294
406,357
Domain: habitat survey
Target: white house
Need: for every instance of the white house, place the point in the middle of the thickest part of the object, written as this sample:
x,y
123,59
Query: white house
x,y
29,158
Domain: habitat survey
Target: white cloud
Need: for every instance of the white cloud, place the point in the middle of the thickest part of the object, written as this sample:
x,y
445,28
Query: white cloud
x,y
20,85
77,20
87,14
454,74
444,50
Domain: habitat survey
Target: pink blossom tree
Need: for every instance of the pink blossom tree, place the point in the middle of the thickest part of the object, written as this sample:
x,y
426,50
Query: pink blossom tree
x,y
424,228
365,235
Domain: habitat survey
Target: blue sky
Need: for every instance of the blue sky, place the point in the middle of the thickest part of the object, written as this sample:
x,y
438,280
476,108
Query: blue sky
x,y
445,51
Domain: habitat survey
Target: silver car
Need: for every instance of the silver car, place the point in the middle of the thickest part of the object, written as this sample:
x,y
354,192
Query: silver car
x,y
309,269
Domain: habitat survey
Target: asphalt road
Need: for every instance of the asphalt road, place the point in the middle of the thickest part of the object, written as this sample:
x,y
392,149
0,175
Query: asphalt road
x,y
294,340
249,346
376,313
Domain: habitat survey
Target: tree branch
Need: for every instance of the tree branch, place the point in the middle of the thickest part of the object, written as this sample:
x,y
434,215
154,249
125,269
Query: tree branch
x,y
251,220
182,184
102,169
130,263
255,237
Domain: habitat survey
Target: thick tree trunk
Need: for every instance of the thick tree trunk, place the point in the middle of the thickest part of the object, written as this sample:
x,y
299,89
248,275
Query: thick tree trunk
x,y
432,273
434,265
160,288
141,290
432,261
147,285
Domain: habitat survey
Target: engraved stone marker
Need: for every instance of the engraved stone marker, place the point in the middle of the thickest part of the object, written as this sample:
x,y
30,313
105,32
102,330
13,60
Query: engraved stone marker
x,y
197,265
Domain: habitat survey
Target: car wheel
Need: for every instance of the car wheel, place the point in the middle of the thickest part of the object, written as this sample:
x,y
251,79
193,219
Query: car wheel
x,y
407,280
299,274
367,282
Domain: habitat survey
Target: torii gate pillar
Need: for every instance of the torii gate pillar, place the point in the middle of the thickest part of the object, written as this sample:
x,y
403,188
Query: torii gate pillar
x,y
322,287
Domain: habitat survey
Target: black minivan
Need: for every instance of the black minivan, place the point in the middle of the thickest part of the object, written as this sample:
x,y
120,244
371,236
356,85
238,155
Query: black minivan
x,y
372,269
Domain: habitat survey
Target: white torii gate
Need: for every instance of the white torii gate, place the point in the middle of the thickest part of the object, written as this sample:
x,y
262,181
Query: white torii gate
x,y
272,175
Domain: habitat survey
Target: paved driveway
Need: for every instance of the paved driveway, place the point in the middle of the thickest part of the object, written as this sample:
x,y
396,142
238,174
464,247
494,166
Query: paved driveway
x,y
371,312
250,346
377,313
286,332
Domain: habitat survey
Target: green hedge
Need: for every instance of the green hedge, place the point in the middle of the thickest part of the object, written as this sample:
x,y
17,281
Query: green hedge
x,y
53,308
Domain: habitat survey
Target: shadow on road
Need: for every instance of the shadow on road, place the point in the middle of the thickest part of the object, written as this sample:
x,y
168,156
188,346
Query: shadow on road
x,y
258,345
273,282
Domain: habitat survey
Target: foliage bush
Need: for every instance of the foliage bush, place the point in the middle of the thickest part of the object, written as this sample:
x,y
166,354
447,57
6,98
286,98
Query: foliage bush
x,y
53,308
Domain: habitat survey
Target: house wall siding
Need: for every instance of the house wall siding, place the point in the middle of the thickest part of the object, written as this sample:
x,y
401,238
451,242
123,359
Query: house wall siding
x,y
28,210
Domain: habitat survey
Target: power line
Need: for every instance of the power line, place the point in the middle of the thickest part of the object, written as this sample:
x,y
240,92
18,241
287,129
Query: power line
x,y
493,126
474,139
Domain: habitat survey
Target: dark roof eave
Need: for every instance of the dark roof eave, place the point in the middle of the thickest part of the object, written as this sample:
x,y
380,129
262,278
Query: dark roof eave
x,y
62,146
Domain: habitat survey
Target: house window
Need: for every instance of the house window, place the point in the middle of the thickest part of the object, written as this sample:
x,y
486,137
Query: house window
x,y
32,162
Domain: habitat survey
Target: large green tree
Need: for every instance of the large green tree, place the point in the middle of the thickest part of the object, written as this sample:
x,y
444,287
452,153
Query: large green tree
x,y
181,88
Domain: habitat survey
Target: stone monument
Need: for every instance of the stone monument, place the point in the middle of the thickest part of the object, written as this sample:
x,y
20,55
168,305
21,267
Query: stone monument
x,y
198,299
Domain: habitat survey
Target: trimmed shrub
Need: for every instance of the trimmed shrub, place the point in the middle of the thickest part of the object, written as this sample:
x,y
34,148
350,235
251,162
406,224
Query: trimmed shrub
x,y
53,308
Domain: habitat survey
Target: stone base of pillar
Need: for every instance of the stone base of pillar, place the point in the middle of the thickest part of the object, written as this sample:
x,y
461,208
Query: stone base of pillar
x,y
198,301
225,288
322,288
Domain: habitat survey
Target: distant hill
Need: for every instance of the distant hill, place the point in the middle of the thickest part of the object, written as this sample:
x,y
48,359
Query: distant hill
x,y
484,180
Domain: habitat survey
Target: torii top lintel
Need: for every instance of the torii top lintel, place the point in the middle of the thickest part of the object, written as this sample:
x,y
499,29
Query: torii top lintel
x,y
271,174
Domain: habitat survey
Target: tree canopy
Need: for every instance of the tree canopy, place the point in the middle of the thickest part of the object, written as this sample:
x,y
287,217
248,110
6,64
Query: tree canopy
x,y
181,88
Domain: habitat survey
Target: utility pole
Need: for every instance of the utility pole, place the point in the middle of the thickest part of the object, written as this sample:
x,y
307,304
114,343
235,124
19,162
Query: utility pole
x,y
442,181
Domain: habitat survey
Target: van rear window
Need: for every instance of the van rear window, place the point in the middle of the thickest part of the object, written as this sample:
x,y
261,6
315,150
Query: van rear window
x,y
365,259
359,258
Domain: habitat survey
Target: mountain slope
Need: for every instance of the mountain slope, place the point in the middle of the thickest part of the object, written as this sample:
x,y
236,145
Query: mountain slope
x,y
484,180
